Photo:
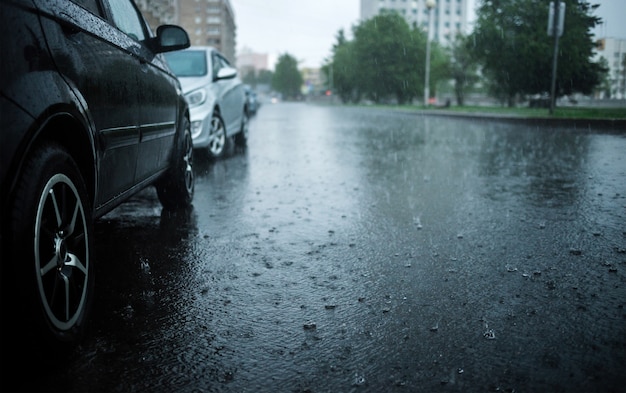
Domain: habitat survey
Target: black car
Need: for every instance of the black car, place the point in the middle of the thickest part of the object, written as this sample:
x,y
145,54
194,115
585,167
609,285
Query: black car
x,y
90,114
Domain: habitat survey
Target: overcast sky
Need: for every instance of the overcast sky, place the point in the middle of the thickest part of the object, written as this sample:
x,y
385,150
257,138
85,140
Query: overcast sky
x,y
307,29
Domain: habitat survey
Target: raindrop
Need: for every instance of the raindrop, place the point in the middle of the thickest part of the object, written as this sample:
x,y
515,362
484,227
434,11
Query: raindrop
x,y
489,334
128,312
229,376
145,266
359,380
417,222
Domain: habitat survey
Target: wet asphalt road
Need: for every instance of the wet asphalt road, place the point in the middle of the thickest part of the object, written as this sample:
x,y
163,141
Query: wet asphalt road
x,y
354,250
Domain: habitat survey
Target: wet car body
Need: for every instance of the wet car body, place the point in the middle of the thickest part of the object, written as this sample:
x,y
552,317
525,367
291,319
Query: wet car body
x,y
90,114
216,96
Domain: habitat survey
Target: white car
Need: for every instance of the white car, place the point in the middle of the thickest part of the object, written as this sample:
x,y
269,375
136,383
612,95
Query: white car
x,y
216,97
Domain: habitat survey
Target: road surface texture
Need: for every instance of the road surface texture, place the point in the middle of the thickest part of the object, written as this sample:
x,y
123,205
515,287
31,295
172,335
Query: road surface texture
x,y
362,250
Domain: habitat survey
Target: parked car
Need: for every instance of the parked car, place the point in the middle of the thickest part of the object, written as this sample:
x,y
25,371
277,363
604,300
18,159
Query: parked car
x,y
90,114
253,100
216,97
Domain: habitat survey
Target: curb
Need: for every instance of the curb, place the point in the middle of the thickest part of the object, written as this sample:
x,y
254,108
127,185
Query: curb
x,y
617,125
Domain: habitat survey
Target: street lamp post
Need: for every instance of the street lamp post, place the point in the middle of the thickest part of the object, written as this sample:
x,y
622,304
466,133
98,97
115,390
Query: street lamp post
x,y
430,4
556,20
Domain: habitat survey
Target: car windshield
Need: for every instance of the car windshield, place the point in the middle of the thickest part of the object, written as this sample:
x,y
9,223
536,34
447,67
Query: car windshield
x,y
187,63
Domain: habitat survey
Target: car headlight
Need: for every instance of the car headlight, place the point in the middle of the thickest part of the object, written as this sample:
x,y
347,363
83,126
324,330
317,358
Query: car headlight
x,y
196,98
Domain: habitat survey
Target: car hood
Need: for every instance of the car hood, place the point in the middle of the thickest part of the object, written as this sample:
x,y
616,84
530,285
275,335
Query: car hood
x,y
189,83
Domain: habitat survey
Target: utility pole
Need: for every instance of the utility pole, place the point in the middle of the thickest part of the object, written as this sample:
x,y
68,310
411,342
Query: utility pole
x,y
556,19
430,4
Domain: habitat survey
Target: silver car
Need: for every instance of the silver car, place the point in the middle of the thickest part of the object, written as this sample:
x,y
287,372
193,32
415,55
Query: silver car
x,y
216,97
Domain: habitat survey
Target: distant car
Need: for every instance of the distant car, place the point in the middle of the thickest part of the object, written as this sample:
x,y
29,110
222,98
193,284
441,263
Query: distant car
x,y
253,100
90,114
216,97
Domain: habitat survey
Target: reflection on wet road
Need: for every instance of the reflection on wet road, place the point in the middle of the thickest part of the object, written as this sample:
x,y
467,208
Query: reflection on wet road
x,y
359,250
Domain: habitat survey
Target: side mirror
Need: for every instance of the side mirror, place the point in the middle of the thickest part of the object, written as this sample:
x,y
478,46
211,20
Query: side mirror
x,y
169,38
226,73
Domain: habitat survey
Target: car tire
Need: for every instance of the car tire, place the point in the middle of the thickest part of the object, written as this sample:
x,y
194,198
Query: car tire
x,y
49,277
218,140
175,189
241,138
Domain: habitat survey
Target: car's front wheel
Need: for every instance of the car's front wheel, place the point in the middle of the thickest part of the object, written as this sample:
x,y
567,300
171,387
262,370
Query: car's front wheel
x,y
218,140
49,277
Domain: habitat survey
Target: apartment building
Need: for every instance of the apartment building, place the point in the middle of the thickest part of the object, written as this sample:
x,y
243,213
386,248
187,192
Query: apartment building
x,y
208,22
448,16
614,51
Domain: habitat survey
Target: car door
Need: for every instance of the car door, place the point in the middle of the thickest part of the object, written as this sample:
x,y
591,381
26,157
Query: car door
x,y
159,95
95,59
157,90
230,92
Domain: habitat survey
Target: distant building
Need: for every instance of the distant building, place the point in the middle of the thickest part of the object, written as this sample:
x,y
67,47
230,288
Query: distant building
x,y
448,16
208,22
614,51
159,12
249,61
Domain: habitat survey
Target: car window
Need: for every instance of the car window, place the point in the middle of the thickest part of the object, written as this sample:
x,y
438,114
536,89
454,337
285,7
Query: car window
x,y
224,62
90,5
217,64
127,19
187,63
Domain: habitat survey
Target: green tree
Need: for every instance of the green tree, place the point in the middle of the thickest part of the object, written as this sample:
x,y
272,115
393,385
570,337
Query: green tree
x,y
386,59
287,79
263,77
463,67
512,44
389,58
250,79
342,70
